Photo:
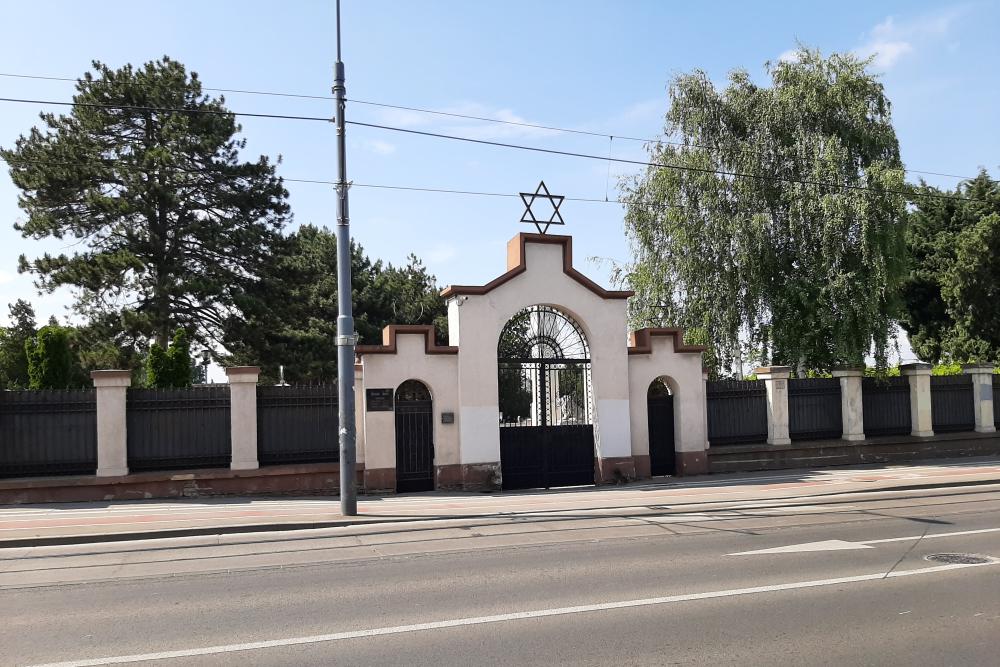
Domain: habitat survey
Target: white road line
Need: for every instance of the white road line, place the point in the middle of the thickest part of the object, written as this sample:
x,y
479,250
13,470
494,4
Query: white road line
x,y
931,537
501,618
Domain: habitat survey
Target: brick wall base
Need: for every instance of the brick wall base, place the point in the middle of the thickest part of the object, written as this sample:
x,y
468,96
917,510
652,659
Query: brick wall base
x,y
481,476
380,480
300,479
691,463
643,470
614,470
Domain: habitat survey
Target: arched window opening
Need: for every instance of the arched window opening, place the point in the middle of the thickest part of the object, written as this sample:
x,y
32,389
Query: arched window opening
x,y
544,370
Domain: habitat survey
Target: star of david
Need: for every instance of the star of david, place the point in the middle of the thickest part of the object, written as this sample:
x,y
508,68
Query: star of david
x,y
540,222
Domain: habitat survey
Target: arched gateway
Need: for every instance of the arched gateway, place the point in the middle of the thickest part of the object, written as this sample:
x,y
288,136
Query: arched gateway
x,y
545,401
536,387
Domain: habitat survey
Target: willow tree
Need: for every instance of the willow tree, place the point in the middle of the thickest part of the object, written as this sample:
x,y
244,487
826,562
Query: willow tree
x,y
773,218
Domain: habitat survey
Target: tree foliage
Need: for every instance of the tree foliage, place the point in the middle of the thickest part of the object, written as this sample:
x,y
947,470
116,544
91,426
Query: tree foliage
x,y
13,355
50,360
952,293
743,244
290,307
166,215
170,368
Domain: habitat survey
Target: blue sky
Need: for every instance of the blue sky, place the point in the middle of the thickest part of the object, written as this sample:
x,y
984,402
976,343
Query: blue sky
x,y
600,66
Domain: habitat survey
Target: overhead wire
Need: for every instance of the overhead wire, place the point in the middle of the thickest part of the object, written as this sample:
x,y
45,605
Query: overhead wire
x,y
453,114
500,144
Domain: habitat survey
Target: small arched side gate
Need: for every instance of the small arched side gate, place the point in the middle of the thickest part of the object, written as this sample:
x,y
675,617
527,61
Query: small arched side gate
x,y
546,412
414,437
660,415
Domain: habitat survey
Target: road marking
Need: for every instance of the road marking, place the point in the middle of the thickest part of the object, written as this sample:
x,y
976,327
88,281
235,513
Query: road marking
x,y
825,545
843,545
931,537
502,618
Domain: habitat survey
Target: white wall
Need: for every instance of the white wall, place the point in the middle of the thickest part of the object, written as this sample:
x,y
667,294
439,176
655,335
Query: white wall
x,y
410,362
477,320
684,374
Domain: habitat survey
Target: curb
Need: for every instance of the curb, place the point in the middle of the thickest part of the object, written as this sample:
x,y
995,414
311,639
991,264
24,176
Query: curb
x,y
172,533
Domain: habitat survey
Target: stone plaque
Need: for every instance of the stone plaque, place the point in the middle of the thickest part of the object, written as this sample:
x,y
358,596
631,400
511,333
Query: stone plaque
x,y
447,417
378,400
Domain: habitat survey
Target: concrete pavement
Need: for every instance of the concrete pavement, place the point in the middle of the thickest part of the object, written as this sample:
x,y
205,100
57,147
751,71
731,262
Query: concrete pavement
x,y
29,525
837,579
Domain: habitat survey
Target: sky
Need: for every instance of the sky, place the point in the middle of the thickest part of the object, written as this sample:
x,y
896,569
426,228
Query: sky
x,y
597,66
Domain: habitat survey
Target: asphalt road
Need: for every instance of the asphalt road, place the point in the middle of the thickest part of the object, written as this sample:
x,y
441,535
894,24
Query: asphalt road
x,y
842,580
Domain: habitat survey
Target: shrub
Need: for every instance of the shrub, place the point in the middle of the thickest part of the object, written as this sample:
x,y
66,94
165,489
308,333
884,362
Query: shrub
x,y
170,368
50,361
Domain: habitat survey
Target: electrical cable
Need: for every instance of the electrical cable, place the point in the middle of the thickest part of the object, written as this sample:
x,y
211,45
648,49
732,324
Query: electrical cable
x,y
451,114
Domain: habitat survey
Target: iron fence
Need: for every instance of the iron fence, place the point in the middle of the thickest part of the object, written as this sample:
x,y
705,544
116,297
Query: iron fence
x,y
996,401
48,432
297,424
951,403
170,429
886,405
814,409
737,412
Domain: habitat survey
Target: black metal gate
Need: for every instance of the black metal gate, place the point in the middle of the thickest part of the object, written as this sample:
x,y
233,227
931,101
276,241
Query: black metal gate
x,y
414,438
660,411
546,424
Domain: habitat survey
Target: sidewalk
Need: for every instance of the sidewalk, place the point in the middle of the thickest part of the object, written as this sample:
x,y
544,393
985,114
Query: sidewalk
x,y
77,523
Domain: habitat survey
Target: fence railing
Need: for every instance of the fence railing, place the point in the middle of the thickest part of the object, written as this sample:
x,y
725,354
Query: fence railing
x,y
952,408
171,429
50,432
297,424
886,405
737,412
814,409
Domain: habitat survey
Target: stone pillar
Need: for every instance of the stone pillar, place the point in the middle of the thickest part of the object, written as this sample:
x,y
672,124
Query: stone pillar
x,y
776,380
982,395
243,416
851,407
112,438
921,417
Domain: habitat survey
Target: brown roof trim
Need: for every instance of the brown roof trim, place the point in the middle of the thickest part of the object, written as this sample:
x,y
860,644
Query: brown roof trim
x,y
641,341
516,266
390,332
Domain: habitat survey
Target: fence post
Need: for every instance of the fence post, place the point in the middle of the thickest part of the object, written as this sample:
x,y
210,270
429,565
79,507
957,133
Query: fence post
x,y
982,395
851,405
243,416
921,416
112,435
776,381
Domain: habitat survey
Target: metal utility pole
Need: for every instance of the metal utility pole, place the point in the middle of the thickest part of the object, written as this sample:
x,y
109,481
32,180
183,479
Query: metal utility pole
x,y
345,315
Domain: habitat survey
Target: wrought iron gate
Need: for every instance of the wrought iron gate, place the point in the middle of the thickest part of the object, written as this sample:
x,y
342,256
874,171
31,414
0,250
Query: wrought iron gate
x,y
660,417
546,414
414,438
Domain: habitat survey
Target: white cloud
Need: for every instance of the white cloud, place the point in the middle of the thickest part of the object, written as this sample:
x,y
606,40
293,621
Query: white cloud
x,y
6,277
513,125
789,56
441,253
380,147
891,40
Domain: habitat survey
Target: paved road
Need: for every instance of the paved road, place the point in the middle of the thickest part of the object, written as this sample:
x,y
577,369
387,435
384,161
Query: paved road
x,y
841,579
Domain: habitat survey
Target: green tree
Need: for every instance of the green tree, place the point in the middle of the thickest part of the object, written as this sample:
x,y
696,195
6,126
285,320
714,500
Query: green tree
x,y
289,308
736,238
145,175
952,293
13,355
50,360
171,367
